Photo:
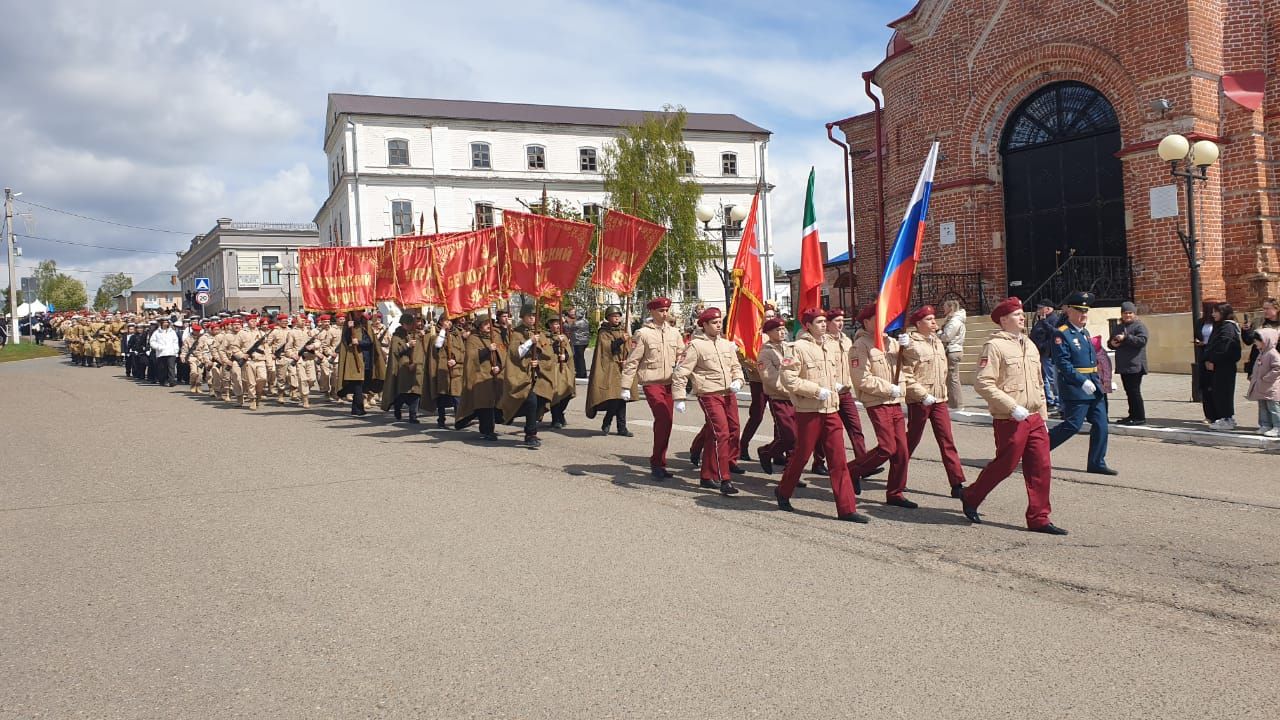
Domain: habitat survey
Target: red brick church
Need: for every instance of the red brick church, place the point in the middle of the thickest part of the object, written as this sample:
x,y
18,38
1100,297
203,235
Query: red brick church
x,y
1049,114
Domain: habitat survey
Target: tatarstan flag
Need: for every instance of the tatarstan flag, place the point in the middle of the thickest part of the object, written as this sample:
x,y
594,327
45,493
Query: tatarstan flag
x,y
810,257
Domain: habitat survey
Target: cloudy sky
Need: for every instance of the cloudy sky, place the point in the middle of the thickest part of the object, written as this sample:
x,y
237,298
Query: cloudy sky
x,y
169,115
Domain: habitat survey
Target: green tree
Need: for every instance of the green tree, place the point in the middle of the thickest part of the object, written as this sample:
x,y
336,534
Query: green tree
x,y
45,273
642,174
66,293
112,285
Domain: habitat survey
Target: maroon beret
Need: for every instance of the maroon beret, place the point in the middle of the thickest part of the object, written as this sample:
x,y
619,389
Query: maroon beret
x,y
659,303
808,316
708,315
834,313
772,324
921,314
867,312
1004,308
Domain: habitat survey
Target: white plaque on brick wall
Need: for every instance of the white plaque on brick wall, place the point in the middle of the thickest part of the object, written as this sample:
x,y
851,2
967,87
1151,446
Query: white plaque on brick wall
x,y
1164,202
947,233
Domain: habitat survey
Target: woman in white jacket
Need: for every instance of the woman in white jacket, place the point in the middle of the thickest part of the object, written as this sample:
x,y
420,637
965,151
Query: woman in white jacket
x,y
952,335
164,344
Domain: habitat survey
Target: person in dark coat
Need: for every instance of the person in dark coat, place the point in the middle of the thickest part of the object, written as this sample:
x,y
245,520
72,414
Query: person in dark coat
x,y
1218,369
1130,345
1249,333
1047,322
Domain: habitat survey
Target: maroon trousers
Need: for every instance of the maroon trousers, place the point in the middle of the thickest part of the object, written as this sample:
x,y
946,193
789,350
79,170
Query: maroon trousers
x,y
784,431
891,446
820,429
852,424
663,409
755,415
939,416
721,428
1026,442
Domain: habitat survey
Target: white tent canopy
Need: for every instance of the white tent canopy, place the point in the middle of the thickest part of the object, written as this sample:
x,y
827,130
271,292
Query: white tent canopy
x,y
36,307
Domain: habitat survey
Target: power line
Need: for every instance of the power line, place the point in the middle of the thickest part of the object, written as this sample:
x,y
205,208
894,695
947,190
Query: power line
x,y
102,220
59,268
101,247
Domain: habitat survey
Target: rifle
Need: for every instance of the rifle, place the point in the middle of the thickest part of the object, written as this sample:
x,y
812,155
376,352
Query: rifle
x,y
248,354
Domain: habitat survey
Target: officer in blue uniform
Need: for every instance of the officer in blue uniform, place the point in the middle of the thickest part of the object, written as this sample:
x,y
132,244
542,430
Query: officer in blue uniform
x,y
1079,384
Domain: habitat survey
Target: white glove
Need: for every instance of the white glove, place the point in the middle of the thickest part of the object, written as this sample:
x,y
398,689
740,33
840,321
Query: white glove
x,y
1114,387
1089,387
524,347
895,392
904,340
1020,413
679,406
839,387
440,340
929,400
823,394
736,385
626,395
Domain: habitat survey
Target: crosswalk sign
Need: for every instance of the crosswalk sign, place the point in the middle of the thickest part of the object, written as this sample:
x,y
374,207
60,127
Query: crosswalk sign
x,y
202,284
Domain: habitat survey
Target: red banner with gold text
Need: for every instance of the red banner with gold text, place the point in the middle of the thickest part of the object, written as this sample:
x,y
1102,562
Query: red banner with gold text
x,y
337,279
384,285
544,255
625,247
468,270
416,272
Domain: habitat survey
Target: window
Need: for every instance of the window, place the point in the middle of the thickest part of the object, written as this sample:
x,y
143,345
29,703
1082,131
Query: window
x,y
732,229
592,213
537,157
729,163
484,215
401,217
398,152
587,160
689,288
480,156
270,276
686,163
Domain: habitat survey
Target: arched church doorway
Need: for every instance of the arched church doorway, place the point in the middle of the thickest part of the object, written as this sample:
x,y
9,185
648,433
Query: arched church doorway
x,y
1064,196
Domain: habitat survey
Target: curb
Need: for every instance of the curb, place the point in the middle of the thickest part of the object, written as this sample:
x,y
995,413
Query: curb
x,y
1187,436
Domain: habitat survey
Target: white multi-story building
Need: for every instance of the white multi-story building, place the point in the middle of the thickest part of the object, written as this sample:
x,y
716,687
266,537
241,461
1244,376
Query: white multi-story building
x,y
398,165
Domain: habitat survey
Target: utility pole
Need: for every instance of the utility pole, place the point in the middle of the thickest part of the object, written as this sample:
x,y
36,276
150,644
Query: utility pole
x,y
13,275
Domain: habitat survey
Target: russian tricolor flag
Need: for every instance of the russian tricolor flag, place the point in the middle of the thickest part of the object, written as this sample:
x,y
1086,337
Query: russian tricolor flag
x,y
900,268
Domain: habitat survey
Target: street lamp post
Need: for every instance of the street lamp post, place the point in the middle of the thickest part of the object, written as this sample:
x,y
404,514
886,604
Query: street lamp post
x,y
735,214
1191,163
290,273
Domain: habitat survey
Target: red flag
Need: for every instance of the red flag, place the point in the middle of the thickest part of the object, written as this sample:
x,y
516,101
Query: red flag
x,y
337,279
625,247
543,255
415,271
811,274
468,269
746,311
384,287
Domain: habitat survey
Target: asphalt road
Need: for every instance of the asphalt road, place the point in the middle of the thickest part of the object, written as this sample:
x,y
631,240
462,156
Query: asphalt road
x,y
163,556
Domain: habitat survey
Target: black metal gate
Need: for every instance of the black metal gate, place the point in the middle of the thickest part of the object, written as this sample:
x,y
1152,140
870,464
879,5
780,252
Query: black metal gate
x,y
1063,186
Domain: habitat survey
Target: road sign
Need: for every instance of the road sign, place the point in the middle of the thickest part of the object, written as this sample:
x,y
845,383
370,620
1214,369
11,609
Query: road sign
x,y
202,298
202,284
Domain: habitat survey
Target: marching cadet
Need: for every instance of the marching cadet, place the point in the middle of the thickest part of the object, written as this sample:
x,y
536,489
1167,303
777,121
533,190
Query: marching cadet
x,y
810,379
327,362
653,359
277,336
526,375
187,356
221,350
711,363
775,351
879,382
97,338
563,382
848,404
759,401
301,349
926,360
1080,385
481,381
1011,381
115,329
447,348
406,361
360,361
250,355
604,384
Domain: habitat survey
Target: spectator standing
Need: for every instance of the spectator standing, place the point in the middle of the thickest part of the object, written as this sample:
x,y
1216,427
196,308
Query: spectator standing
x,y
1221,353
952,334
1130,346
1264,383
164,345
580,337
1270,319
1047,321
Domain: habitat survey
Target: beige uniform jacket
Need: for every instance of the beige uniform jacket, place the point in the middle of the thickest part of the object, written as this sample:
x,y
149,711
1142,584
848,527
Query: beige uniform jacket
x,y
926,358
770,362
203,349
840,350
873,371
222,347
295,340
711,365
1009,375
655,355
808,372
